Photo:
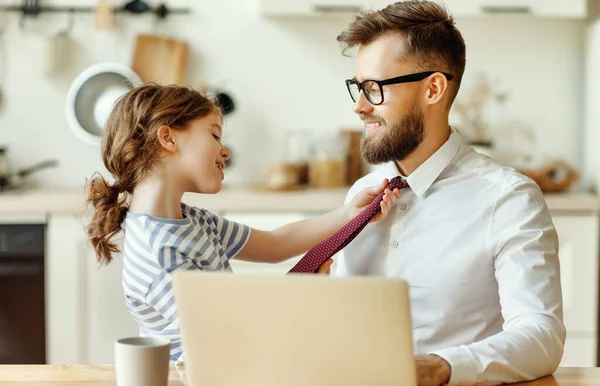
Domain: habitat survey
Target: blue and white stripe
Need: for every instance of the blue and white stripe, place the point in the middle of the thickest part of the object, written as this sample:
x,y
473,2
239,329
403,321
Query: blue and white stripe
x,y
154,247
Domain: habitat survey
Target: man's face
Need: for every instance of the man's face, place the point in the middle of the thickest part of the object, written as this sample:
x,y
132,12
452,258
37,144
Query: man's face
x,y
395,128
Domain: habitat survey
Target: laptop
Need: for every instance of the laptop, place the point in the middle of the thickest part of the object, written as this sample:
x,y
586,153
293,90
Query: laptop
x,y
294,330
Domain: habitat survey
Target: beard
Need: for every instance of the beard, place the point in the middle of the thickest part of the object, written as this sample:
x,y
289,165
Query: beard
x,y
397,141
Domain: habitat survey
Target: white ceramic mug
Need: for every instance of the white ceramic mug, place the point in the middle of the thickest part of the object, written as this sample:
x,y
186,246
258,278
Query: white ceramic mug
x,y
142,361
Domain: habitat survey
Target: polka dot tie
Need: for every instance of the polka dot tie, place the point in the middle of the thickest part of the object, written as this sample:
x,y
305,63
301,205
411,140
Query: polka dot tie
x,y
314,258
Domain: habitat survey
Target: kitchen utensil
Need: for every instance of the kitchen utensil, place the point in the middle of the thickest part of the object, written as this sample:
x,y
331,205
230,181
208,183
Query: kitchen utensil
x,y
225,102
92,95
104,15
222,98
17,179
136,6
160,59
10,180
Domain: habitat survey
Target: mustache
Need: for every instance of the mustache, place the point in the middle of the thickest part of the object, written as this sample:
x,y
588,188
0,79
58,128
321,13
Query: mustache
x,y
370,117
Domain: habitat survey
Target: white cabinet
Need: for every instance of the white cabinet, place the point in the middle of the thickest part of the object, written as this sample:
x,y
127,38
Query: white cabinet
x,y
579,352
318,7
106,315
264,221
459,8
86,309
87,313
541,8
578,254
65,273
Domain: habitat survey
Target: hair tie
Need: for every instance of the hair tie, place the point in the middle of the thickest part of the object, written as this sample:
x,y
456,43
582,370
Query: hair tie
x,y
119,186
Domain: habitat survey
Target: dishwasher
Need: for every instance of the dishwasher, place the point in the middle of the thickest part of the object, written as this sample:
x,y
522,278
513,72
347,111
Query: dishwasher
x,y
22,294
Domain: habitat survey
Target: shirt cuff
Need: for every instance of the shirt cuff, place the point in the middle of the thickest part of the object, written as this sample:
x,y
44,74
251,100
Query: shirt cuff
x,y
463,364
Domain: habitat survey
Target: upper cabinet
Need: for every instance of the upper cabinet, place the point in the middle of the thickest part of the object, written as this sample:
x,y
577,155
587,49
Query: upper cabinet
x,y
316,7
539,8
459,8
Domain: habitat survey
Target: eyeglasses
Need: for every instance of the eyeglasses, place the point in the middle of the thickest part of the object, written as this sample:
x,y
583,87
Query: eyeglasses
x,y
373,89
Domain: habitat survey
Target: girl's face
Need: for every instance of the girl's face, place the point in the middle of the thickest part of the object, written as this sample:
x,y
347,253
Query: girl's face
x,y
201,155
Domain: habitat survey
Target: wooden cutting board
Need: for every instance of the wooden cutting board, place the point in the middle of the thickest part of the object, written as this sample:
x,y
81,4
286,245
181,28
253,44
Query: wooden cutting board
x,y
160,59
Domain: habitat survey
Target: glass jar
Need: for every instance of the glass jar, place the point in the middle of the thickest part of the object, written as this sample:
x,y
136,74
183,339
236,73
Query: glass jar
x,y
299,153
327,168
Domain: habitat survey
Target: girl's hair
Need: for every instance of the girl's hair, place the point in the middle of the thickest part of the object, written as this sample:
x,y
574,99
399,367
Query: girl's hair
x,y
130,148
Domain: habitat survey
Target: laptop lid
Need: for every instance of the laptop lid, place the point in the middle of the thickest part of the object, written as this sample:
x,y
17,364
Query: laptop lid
x,y
294,330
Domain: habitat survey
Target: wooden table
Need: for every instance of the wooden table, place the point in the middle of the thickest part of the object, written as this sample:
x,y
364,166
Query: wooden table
x,y
86,375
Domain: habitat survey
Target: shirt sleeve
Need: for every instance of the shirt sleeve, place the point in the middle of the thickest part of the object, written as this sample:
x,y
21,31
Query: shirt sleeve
x,y
234,235
524,243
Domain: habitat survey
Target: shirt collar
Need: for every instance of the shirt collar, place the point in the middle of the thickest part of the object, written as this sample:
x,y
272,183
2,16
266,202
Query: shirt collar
x,y
425,175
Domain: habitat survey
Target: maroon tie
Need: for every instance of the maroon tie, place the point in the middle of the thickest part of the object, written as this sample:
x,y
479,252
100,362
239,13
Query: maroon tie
x,y
314,258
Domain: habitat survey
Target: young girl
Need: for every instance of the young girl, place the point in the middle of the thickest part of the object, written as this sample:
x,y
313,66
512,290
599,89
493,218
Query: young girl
x,y
160,142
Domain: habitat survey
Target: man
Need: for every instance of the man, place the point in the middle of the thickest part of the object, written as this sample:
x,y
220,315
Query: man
x,y
474,239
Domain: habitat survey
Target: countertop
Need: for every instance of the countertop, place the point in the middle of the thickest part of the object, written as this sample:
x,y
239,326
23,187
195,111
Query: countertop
x,y
72,201
87,375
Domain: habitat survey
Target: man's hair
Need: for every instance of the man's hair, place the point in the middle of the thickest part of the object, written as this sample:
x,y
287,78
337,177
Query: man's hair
x,y
431,38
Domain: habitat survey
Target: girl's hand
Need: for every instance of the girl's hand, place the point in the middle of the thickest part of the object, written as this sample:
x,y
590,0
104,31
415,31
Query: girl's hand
x,y
367,195
325,268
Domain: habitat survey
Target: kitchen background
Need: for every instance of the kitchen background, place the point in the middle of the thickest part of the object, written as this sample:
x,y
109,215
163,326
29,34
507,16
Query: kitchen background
x,y
285,75
530,88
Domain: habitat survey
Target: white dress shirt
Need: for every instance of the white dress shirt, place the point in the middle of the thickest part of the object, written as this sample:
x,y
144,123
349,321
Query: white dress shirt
x,y
477,246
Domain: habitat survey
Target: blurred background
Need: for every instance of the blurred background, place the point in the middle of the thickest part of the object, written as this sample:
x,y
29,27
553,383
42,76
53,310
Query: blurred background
x,y
530,98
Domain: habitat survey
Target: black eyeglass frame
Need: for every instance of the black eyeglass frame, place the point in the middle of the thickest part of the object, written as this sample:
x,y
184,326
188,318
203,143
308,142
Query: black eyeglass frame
x,y
397,80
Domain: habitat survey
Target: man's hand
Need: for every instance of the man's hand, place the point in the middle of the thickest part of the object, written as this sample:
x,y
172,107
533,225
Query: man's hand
x,y
325,268
366,197
432,371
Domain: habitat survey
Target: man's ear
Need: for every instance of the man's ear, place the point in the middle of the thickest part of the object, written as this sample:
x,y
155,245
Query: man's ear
x,y
166,138
437,88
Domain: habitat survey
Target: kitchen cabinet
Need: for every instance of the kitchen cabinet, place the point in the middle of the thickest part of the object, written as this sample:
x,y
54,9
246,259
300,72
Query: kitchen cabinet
x,y
65,275
86,310
459,8
105,315
579,352
317,7
538,8
578,254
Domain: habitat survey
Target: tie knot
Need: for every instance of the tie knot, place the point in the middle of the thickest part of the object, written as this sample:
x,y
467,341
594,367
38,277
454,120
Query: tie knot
x,y
398,182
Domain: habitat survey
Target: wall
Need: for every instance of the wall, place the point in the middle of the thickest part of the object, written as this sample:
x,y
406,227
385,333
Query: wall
x,y
284,74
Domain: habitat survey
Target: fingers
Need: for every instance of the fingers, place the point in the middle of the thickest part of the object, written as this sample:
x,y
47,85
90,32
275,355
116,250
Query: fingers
x,y
390,198
325,268
375,190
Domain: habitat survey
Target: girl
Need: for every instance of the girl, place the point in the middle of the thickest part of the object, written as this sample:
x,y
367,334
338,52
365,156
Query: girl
x,y
160,142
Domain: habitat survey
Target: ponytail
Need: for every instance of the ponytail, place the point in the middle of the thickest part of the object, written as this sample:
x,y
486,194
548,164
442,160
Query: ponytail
x,y
110,208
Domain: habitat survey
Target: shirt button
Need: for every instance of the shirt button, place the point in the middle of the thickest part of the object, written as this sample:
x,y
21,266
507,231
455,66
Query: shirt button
x,y
402,206
394,244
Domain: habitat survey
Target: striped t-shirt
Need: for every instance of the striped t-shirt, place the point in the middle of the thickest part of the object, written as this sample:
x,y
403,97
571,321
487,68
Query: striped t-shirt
x,y
154,247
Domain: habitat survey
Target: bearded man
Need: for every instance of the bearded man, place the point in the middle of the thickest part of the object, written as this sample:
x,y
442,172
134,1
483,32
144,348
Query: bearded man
x,y
473,238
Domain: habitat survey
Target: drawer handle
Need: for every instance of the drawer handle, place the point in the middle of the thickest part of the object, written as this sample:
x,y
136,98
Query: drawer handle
x,y
10,270
500,9
323,8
